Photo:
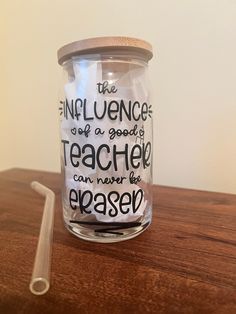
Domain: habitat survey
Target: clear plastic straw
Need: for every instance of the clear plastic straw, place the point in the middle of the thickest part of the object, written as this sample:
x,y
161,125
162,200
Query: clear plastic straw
x,y
40,281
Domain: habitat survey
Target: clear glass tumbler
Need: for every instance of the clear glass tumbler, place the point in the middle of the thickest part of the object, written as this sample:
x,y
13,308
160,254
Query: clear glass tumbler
x,y
106,138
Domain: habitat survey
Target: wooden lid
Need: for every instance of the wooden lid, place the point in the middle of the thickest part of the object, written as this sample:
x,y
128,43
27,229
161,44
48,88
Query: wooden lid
x,y
105,44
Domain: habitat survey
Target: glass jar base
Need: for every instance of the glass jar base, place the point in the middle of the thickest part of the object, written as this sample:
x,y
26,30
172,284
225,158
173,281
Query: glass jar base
x,y
110,236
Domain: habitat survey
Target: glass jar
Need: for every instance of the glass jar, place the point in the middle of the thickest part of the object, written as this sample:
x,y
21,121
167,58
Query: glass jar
x,y
106,138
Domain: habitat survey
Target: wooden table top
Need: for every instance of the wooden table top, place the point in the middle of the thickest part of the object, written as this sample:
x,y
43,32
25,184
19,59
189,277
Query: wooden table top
x,y
184,263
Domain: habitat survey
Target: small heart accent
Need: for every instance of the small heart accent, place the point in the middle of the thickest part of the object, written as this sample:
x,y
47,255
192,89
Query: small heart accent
x,y
73,131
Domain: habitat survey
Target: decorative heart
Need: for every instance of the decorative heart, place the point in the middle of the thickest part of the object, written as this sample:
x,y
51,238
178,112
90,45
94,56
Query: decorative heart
x,y
73,131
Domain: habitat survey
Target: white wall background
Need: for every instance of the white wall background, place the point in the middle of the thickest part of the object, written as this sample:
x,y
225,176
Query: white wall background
x,y
193,76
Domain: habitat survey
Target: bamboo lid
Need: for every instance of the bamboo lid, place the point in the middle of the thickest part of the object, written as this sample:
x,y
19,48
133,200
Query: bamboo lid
x,y
95,45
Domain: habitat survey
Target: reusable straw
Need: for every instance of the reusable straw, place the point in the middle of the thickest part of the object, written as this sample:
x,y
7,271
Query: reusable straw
x,y
40,281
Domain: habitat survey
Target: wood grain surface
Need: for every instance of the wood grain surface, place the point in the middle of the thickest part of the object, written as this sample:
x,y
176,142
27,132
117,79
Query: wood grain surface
x,y
98,45
184,263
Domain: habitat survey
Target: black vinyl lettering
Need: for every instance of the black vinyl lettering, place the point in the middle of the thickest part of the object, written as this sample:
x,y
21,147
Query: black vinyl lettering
x,y
107,148
123,152
73,198
89,157
64,150
113,212
136,156
75,153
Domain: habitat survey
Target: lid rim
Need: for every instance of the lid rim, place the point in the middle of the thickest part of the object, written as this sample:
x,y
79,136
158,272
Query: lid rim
x,y
101,44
